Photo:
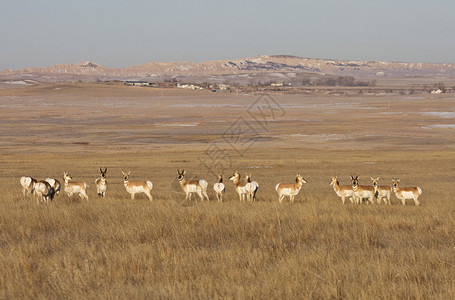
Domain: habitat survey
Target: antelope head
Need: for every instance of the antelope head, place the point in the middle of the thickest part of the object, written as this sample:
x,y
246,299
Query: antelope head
x,y
395,182
66,177
248,178
375,181
355,181
103,173
299,178
126,176
235,176
181,175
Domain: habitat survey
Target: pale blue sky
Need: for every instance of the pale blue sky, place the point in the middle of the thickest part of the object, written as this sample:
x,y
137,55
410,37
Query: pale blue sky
x,y
120,33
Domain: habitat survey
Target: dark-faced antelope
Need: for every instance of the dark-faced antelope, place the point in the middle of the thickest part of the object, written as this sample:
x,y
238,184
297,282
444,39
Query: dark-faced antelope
x,y
362,191
194,186
101,183
382,191
251,188
342,191
71,188
219,188
137,186
406,193
55,184
290,189
44,191
27,183
240,187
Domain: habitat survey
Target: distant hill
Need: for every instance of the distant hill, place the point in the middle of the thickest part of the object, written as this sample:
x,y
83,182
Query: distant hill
x,y
246,70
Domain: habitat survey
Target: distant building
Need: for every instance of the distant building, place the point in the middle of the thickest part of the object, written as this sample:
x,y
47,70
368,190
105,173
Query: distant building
x,y
189,86
136,83
224,88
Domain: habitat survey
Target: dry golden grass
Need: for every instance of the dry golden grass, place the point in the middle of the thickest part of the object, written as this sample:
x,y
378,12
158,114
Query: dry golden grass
x,y
314,248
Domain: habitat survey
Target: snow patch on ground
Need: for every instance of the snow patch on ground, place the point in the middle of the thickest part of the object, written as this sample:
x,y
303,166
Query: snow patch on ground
x,y
319,137
441,126
17,82
441,114
179,125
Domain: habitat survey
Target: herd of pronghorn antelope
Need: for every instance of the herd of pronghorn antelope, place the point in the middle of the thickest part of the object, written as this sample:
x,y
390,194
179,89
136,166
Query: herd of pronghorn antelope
x,y
357,193
45,190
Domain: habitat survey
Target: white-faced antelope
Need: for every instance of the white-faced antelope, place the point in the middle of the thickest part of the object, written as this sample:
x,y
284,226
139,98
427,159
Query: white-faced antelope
x,y
342,191
55,184
290,189
27,183
44,191
71,188
194,186
101,183
362,191
382,191
406,193
137,186
251,188
240,187
219,188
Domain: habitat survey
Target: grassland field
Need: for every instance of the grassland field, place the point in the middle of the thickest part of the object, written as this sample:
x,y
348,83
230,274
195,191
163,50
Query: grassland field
x,y
315,248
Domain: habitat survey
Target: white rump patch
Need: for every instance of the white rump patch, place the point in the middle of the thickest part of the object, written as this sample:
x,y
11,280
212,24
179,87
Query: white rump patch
x,y
25,181
204,184
51,181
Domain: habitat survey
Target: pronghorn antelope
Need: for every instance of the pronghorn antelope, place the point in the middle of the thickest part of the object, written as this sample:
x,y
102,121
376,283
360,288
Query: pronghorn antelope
x,y
44,191
193,186
137,187
71,188
381,191
251,188
55,184
27,183
406,193
343,191
240,187
101,183
219,188
361,191
290,189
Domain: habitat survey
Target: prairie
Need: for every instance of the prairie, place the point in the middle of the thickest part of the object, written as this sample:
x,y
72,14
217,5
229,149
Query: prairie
x,y
168,248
